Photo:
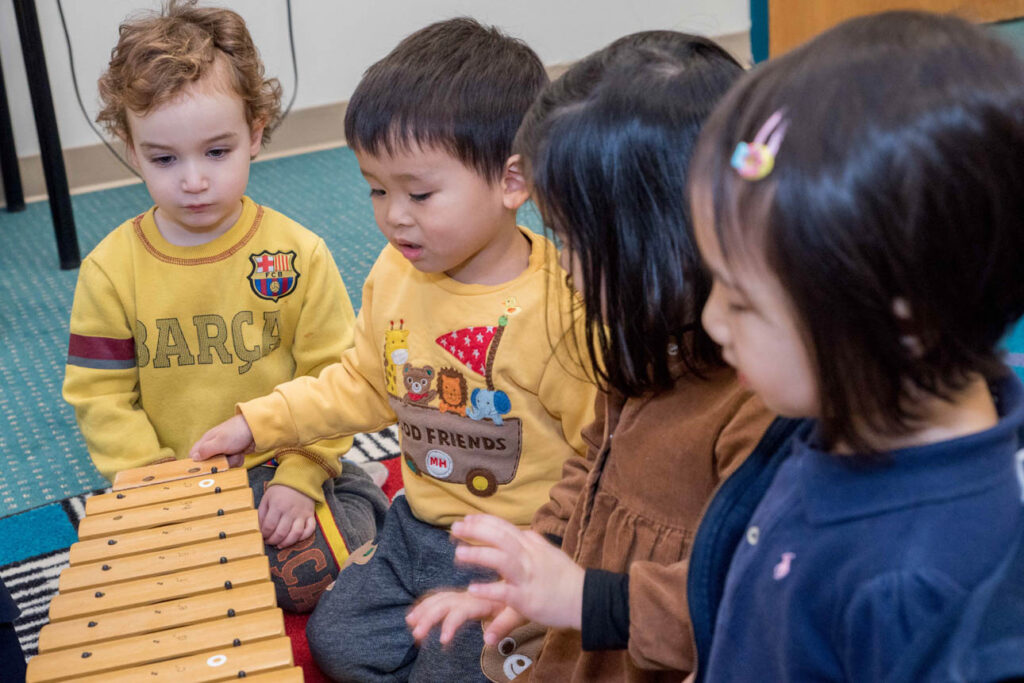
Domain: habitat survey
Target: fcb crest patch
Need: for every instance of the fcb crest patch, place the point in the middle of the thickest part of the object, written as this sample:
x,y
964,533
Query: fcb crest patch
x,y
273,274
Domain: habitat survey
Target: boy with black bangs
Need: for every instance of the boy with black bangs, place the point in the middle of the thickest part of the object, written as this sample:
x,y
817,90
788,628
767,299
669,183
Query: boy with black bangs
x,y
453,343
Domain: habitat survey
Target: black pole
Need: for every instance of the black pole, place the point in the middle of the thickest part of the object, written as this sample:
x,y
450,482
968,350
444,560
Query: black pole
x,y
46,128
14,196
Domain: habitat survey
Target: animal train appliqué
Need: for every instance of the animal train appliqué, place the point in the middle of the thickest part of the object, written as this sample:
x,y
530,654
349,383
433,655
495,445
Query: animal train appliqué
x,y
467,438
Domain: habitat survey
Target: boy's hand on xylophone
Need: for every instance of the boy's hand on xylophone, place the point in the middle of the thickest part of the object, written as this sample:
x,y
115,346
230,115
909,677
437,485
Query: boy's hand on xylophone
x,y
232,438
286,516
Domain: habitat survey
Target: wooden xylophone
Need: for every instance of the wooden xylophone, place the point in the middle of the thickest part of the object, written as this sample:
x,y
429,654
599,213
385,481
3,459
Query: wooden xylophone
x,y
168,582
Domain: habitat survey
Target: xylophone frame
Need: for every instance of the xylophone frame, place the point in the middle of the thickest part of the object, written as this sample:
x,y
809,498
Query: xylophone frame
x,y
168,582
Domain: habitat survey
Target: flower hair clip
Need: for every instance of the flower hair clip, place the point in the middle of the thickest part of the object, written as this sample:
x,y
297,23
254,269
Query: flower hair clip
x,y
755,160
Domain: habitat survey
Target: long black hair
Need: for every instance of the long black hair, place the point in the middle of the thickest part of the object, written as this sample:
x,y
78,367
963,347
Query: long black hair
x,y
900,178
606,149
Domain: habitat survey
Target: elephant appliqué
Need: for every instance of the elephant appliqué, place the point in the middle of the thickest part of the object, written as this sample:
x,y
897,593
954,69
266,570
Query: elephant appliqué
x,y
489,405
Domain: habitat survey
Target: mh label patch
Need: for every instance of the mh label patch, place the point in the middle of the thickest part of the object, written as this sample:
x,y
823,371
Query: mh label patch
x,y
273,274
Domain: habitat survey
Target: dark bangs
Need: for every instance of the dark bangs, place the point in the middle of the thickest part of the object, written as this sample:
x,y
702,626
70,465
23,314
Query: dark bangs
x,y
454,85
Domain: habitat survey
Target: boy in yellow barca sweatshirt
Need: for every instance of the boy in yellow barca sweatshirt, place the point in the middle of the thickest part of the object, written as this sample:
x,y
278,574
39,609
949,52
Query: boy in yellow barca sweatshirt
x,y
208,298
461,341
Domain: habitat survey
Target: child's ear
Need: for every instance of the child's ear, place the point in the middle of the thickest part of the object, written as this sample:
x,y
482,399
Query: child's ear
x,y
514,188
256,137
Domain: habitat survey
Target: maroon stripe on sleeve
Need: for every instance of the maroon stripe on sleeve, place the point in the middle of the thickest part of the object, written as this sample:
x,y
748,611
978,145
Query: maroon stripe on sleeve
x,y
101,348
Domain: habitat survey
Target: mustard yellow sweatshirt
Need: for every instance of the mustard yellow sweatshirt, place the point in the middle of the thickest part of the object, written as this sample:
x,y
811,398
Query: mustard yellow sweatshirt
x,y
165,340
486,389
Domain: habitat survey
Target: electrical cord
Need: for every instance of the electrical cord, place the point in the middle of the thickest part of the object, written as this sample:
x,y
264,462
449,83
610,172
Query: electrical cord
x,y
295,63
88,119
78,94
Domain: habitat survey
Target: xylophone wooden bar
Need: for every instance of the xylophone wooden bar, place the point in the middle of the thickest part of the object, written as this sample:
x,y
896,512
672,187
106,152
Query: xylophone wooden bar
x,y
169,582
170,536
150,516
193,487
150,618
161,562
154,647
216,665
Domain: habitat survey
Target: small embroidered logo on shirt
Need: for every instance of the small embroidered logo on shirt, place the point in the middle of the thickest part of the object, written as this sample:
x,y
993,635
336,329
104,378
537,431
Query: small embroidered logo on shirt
x,y
273,275
781,570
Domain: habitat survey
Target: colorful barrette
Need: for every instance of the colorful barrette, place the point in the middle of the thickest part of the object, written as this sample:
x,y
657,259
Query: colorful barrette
x,y
755,160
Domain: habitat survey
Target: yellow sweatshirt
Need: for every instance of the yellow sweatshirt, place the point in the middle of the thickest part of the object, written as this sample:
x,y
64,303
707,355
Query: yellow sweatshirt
x,y
488,393
165,340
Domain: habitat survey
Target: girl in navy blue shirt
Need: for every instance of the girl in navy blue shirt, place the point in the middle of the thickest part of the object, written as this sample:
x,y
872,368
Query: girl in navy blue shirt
x,y
859,202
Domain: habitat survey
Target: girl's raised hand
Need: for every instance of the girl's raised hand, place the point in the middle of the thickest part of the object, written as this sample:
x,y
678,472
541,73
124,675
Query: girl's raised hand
x,y
539,581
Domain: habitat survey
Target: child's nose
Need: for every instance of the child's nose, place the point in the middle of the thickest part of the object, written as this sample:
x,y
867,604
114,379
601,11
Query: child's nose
x,y
398,214
194,179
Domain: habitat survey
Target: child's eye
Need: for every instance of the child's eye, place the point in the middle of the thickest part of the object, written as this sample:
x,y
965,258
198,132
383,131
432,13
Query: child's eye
x,y
218,153
376,193
162,160
420,197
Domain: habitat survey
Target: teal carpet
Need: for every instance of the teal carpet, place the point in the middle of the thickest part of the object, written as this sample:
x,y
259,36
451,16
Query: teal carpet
x,y
42,456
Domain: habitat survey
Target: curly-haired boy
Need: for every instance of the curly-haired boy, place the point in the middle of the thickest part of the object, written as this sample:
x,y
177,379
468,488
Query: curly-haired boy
x,y
208,298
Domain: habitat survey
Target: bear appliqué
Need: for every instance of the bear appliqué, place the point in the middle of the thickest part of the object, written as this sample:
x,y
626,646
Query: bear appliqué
x,y
417,384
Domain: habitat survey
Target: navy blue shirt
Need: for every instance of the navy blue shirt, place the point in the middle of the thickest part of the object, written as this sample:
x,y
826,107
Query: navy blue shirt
x,y
846,559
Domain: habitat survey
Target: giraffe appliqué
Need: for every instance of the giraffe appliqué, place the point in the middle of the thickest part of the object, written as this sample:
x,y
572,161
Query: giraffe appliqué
x,y
396,354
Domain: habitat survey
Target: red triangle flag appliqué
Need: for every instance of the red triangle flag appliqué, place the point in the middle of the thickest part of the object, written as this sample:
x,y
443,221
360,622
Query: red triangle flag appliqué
x,y
470,346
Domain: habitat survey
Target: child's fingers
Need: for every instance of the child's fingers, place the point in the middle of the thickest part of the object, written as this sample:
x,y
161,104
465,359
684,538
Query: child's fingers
x,y
497,559
418,619
428,614
201,449
531,537
209,445
487,530
455,619
293,532
269,521
235,460
230,437
277,533
499,591
452,610
507,621
432,610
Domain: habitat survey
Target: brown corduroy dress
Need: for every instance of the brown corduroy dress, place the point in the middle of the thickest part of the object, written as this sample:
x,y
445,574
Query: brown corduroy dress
x,y
633,505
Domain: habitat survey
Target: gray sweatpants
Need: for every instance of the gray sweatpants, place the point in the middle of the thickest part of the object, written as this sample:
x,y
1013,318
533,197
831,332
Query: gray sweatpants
x,y
357,631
